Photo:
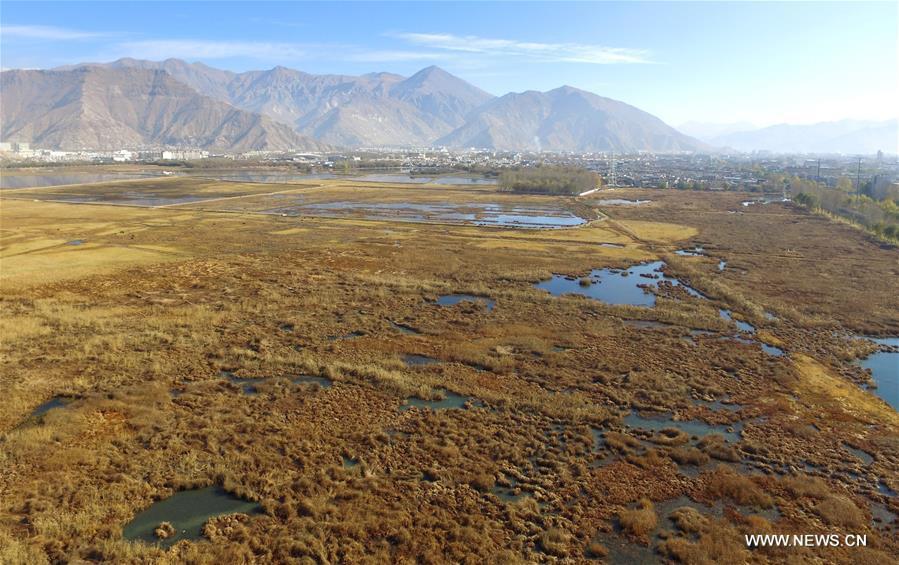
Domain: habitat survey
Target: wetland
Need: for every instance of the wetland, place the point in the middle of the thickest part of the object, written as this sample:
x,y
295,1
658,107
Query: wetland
x,y
204,380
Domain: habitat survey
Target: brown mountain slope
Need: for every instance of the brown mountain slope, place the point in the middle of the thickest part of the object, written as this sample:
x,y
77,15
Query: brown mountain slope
x,y
104,108
566,119
371,109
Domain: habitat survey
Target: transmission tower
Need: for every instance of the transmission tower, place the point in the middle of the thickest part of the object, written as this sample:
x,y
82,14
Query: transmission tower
x,y
612,181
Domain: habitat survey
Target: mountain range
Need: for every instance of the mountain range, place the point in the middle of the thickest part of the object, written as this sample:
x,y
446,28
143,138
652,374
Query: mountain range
x,y
566,119
706,131
132,102
845,136
99,108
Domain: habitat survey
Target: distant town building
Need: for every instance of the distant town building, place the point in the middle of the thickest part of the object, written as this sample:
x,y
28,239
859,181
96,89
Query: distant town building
x,y
183,154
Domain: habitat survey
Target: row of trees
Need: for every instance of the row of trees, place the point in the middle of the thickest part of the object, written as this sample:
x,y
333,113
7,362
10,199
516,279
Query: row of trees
x,y
879,215
547,179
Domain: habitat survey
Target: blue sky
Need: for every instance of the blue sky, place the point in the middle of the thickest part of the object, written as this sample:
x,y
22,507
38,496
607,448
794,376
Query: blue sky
x,y
713,62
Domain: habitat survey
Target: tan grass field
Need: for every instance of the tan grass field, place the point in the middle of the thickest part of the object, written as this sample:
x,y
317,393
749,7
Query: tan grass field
x,y
139,327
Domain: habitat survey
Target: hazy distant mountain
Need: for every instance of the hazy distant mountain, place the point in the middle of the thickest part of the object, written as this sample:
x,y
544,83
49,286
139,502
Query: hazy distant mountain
x,y
706,131
846,136
372,109
111,108
566,119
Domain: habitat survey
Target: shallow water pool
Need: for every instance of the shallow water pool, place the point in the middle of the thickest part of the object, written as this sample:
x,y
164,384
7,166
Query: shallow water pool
x,y
186,511
617,286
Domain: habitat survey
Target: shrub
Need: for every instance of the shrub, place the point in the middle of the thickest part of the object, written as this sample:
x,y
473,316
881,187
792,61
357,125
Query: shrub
x,y
671,436
164,531
555,542
804,485
482,482
715,446
621,442
689,520
719,543
639,521
726,483
688,455
840,511
596,550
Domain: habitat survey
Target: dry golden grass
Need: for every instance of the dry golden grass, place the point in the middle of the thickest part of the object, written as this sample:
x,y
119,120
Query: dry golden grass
x,y
80,261
726,483
718,543
656,232
840,511
804,485
840,395
639,521
140,345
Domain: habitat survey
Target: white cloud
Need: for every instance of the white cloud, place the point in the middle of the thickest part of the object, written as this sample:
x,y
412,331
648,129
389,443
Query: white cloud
x,y
156,49
49,32
389,56
544,52
206,49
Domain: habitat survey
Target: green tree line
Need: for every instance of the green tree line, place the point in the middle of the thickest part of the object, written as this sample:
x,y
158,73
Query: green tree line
x,y
549,180
878,215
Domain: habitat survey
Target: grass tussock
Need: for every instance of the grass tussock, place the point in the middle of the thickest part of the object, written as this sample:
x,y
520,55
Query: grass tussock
x,y
802,486
724,482
689,520
840,511
688,455
555,541
596,550
388,380
715,446
639,521
718,542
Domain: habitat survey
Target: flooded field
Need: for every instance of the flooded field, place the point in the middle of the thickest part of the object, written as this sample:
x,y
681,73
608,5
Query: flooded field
x,y
416,179
660,422
449,400
323,195
616,286
621,202
697,251
38,180
744,327
368,390
884,367
266,177
321,382
37,415
160,191
419,360
387,178
488,214
453,299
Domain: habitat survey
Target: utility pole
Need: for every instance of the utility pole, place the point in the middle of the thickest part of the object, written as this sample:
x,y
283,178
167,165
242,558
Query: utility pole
x,y
818,174
858,179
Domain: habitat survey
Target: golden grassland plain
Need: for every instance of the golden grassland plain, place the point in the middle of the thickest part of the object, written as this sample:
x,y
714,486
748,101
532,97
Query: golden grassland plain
x,y
139,322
